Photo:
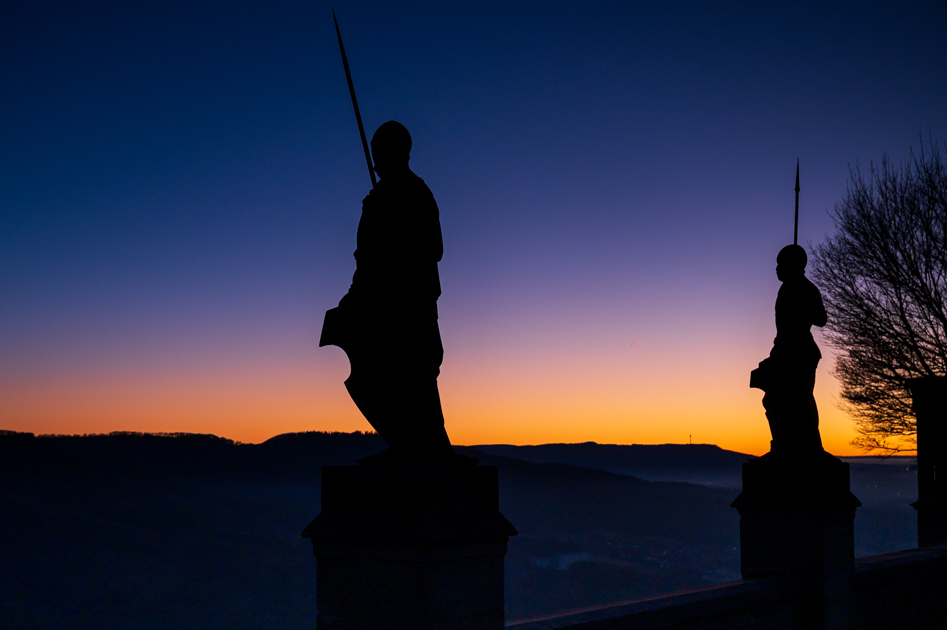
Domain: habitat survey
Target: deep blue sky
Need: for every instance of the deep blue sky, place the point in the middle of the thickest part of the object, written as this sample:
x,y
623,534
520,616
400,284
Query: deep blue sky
x,y
180,185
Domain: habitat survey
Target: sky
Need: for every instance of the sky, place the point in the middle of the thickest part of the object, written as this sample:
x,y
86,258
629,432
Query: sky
x,y
180,185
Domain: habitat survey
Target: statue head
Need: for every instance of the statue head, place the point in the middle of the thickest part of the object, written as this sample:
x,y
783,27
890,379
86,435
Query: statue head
x,y
391,149
791,262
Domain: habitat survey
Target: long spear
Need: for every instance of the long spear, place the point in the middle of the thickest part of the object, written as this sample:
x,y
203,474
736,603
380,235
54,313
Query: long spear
x,y
795,231
358,116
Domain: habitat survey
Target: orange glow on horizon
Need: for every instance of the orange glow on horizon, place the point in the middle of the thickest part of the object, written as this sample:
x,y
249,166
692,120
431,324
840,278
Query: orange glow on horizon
x,y
588,398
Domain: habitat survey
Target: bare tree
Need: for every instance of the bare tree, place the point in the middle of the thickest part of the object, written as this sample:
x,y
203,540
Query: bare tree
x,y
884,280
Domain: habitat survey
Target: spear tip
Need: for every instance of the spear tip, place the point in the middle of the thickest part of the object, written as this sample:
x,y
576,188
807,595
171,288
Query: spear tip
x,y
797,174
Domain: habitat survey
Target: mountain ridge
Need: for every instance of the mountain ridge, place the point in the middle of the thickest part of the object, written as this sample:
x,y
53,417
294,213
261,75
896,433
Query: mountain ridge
x,y
209,528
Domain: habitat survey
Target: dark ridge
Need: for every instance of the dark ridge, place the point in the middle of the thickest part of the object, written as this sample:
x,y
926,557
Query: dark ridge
x,y
553,499
197,531
175,454
695,463
557,500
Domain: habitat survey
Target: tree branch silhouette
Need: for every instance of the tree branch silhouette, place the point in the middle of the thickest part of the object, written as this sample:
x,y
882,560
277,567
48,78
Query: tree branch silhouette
x,y
883,276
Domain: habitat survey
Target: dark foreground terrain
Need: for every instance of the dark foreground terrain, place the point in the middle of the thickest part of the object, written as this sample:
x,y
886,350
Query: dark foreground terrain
x,y
193,531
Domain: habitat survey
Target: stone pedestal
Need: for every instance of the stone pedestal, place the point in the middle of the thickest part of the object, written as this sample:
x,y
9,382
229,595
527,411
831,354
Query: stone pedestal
x,y
797,521
929,401
417,547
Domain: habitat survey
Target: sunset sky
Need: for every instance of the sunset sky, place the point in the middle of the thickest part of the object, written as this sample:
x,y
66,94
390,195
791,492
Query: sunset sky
x,y
180,185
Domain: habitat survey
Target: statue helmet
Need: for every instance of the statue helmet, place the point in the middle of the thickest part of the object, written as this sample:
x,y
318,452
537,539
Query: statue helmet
x,y
792,257
391,138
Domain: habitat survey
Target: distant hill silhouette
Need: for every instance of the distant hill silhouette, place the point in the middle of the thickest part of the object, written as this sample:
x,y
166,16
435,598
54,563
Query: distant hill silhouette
x,y
547,499
558,499
183,530
127,528
286,455
294,454
690,463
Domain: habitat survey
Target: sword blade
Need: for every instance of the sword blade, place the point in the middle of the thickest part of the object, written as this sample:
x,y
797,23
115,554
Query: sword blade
x,y
358,115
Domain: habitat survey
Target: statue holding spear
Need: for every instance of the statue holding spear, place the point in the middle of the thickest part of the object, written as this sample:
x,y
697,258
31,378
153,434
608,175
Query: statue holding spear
x,y
387,322
787,376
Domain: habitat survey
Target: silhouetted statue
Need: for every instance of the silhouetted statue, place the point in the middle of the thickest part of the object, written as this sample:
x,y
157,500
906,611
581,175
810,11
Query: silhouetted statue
x,y
387,322
788,375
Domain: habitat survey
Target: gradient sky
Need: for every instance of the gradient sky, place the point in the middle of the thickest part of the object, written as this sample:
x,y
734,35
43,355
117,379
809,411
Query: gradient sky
x,y
180,185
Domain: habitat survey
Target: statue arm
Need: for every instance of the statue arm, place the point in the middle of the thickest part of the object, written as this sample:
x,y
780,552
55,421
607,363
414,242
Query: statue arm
x,y
424,243
437,240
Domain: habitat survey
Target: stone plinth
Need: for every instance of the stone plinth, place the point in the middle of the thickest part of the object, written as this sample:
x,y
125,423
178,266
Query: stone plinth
x,y
417,547
929,402
797,521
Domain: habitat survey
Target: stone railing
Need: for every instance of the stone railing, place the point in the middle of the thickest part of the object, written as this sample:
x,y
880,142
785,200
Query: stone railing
x,y
907,589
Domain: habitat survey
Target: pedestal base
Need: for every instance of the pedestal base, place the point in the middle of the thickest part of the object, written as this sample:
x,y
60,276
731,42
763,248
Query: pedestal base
x,y
929,403
931,521
797,520
401,547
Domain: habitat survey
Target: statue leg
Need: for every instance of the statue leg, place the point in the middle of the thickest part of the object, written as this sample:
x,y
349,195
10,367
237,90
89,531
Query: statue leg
x,y
371,402
814,437
403,406
793,420
422,416
806,412
416,416
791,408
393,383
776,414
410,412
371,390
